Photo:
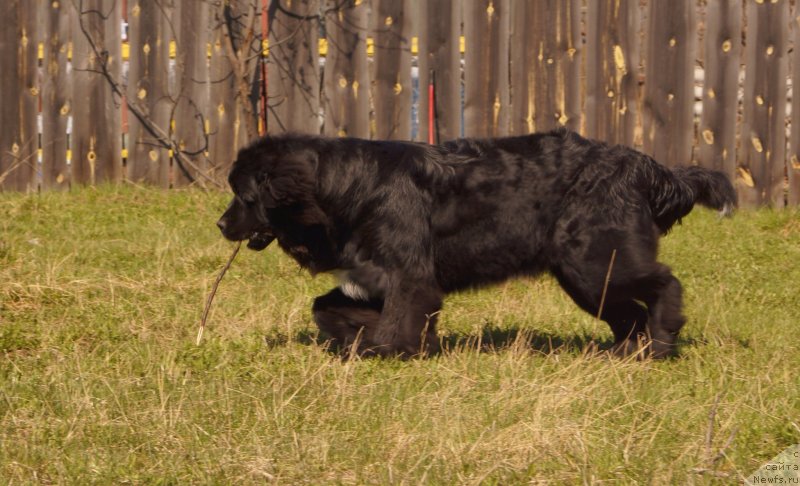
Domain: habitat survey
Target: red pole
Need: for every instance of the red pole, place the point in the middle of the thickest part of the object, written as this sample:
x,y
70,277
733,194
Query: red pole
x,y
431,109
264,81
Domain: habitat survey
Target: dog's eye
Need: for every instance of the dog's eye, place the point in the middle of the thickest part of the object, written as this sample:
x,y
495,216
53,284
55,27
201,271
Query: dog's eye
x,y
245,201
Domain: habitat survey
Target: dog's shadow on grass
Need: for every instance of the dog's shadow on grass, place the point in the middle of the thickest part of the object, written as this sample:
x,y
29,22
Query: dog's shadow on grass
x,y
488,340
493,339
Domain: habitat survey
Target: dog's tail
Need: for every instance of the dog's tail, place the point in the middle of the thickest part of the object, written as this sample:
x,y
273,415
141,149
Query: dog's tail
x,y
673,193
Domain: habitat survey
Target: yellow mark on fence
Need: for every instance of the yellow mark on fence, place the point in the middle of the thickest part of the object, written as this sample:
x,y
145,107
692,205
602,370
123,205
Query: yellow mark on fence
x,y
708,136
795,163
619,59
743,175
726,45
322,45
757,144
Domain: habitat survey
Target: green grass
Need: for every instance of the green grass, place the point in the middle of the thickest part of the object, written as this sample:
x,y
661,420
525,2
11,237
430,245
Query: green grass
x,y
100,379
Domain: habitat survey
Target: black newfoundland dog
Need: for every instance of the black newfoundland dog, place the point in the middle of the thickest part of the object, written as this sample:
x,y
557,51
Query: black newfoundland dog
x,y
402,224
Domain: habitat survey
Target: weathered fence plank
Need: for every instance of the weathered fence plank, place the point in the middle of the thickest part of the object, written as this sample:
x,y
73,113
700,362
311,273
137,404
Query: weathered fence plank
x,y
191,71
486,100
19,139
225,128
612,71
96,129
522,71
555,79
148,88
522,58
346,85
793,159
293,68
440,55
55,95
763,135
392,29
723,41
667,112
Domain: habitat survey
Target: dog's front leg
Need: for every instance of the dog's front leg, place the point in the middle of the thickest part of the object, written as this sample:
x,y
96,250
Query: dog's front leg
x,y
407,326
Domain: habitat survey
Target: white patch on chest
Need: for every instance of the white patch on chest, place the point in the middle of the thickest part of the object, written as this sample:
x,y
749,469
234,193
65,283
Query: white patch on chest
x,y
350,288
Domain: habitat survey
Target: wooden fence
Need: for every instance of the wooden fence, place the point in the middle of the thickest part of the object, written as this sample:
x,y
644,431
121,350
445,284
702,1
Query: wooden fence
x,y
165,91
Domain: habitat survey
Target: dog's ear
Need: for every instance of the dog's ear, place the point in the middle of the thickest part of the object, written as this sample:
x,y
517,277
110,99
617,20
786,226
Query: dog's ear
x,y
244,185
292,179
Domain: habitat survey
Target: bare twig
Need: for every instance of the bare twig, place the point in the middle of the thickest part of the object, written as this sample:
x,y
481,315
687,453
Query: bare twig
x,y
712,415
709,465
605,286
214,291
153,129
18,162
242,66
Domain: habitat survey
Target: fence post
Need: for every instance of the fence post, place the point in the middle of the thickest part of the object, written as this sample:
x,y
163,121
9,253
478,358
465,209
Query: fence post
x,y
439,51
521,59
191,112
486,37
293,68
723,46
612,71
667,113
554,81
793,160
346,79
763,136
97,125
19,139
55,95
392,28
148,87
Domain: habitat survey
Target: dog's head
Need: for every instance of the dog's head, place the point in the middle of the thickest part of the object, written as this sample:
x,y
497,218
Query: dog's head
x,y
272,185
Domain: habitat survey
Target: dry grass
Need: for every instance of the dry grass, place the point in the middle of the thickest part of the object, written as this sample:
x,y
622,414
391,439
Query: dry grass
x,y
101,380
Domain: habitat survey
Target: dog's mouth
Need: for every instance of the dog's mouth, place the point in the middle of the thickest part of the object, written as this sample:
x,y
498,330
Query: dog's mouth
x,y
259,241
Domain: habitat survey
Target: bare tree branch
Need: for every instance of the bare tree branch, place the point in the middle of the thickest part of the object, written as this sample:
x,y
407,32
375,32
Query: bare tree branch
x,y
163,137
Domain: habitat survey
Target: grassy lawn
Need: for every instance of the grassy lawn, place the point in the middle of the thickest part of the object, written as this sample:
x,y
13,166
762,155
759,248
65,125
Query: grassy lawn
x,y
101,381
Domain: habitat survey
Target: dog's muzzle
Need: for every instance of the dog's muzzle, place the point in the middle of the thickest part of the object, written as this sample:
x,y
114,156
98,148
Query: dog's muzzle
x,y
259,241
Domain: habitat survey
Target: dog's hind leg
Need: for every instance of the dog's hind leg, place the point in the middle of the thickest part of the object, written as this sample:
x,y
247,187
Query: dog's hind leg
x,y
632,324
627,318
345,322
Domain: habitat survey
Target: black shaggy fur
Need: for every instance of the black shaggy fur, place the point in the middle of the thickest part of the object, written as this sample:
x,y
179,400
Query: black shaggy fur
x,y
403,224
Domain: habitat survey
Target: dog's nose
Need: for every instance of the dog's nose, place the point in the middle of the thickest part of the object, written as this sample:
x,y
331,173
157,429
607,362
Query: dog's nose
x,y
221,224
